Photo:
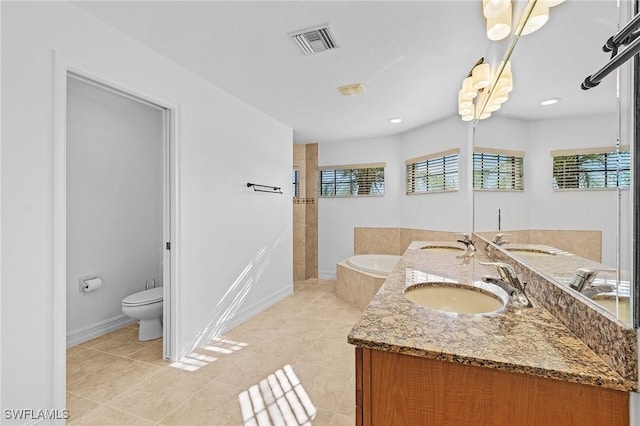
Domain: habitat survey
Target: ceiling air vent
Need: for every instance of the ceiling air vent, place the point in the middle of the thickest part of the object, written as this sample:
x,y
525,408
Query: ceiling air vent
x,y
315,39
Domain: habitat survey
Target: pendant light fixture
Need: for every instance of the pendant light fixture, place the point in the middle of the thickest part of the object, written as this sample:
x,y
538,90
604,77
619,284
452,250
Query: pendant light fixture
x,y
475,99
538,17
499,28
492,9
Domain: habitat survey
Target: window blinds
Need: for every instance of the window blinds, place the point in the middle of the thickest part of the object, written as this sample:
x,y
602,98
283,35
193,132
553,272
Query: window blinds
x,y
495,169
351,180
591,168
431,173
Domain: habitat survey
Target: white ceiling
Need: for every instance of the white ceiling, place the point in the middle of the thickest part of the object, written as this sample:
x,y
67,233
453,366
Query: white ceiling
x,y
411,56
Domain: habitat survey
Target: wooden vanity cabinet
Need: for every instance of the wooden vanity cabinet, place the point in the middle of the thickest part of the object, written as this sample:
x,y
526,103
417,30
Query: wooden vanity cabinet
x,y
397,389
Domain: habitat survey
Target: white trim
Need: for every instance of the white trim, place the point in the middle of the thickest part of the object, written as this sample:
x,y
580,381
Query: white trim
x,y
91,331
63,64
237,319
59,246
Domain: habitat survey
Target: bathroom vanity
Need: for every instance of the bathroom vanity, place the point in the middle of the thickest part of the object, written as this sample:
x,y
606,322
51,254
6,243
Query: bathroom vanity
x,y
416,365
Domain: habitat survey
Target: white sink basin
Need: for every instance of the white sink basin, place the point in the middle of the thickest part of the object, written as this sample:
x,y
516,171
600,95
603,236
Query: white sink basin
x,y
441,248
456,298
532,249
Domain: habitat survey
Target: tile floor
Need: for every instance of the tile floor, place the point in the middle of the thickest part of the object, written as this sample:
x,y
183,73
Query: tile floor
x,y
117,380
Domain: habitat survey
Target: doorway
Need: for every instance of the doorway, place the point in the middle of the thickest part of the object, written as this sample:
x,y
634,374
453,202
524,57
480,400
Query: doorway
x,y
66,69
115,213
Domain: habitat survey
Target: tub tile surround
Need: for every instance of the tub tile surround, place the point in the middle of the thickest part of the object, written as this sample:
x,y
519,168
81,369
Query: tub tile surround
x,y
305,213
609,338
530,341
586,244
356,287
394,240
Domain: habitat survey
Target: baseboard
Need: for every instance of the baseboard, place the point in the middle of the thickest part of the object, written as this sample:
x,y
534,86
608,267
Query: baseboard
x,y
256,308
237,319
323,275
91,331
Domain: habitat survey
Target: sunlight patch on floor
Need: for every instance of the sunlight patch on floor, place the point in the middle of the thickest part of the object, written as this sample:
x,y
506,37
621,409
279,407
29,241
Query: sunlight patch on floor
x,y
278,400
217,346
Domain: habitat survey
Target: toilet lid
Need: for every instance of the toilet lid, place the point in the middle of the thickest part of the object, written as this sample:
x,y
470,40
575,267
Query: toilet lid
x,y
145,297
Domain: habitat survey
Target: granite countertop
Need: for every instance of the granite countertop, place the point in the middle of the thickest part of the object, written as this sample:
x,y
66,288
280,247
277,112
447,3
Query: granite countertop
x,y
528,341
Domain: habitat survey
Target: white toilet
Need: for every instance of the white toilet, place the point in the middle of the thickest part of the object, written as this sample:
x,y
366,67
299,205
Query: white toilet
x,y
145,306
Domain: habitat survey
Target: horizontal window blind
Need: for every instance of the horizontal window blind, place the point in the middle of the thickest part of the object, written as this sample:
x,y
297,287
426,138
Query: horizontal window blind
x,y
351,180
498,170
591,170
431,173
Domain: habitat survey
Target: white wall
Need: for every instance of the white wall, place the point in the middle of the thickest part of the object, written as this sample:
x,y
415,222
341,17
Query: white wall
x,y
114,204
227,234
338,216
509,134
447,211
589,210
442,211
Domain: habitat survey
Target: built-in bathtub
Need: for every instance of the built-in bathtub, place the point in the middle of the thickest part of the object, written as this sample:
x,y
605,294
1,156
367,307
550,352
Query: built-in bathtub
x,y
359,277
379,264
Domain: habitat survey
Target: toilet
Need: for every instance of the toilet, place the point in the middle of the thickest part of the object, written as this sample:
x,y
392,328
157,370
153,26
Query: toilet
x,y
145,306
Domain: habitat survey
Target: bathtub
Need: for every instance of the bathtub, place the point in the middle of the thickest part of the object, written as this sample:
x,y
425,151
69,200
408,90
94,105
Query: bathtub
x,y
380,264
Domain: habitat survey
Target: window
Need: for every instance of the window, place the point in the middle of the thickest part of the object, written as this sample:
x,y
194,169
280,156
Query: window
x,y
497,169
351,180
591,168
431,173
295,179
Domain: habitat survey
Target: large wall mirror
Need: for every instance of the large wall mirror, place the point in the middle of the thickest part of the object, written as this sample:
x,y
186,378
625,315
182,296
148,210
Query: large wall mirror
x,y
554,180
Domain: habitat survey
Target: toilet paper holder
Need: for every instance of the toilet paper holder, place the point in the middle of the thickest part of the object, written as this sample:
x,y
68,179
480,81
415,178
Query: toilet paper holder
x,y
83,281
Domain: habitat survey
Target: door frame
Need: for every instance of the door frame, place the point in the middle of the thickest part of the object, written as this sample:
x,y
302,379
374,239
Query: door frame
x,y
63,66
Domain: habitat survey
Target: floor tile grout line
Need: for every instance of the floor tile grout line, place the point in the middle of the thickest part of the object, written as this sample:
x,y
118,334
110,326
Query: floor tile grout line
x,y
317,291
139,384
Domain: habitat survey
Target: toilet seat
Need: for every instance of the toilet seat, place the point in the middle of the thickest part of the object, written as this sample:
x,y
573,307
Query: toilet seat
x,y
142,298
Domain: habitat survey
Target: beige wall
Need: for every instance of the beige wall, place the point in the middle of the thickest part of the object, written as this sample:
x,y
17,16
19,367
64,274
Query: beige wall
x,y
394,240
587,244
305,213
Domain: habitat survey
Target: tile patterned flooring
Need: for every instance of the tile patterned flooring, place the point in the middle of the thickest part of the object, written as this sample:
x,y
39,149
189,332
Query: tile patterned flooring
x,y
117,380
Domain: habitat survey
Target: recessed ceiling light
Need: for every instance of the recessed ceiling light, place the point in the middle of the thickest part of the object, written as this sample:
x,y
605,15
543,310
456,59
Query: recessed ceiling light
x,y
395,120
352,89
550,101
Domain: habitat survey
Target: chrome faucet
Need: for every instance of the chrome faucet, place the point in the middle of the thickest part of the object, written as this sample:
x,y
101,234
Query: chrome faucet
x,y
466,240
498,239
508,276
583,281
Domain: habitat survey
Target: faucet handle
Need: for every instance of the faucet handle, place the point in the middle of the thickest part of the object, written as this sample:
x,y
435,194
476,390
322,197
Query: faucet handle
x,y
503,269
591,270
583,277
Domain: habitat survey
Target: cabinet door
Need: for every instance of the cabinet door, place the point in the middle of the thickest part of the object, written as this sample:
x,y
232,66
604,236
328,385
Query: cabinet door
x,y
395,389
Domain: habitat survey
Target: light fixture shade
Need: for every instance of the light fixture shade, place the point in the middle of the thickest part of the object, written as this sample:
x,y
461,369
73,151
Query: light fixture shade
x,y
468,92
491,9
551,3
538,17
481,76
470,115
505,83
499,98
493,107
499,28
484,115
462,102
481,101
465,110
